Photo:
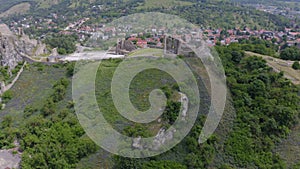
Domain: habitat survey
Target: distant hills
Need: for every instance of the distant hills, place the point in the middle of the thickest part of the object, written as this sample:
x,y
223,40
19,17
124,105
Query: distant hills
x,y
206,13
268,2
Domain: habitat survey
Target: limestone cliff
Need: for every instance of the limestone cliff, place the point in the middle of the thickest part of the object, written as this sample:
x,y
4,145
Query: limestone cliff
x,y
13,48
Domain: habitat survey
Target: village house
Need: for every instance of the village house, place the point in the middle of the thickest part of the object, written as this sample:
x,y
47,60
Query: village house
x,y
142,43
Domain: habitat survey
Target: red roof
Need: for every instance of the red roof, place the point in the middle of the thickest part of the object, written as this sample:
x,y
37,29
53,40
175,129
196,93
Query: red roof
x,y
142,42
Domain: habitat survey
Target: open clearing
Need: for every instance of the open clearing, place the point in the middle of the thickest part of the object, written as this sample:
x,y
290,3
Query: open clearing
x,y
281,65
17,9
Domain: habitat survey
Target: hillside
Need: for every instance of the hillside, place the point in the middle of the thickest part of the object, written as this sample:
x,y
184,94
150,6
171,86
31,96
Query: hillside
x,y
5,5
21,8
228,15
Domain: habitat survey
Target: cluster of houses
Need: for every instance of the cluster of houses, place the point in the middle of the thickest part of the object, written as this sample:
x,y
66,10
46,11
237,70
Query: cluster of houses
x,y
212,36
225,37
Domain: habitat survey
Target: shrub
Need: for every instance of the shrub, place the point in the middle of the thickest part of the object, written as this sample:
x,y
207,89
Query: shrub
x,y
296,65
6,96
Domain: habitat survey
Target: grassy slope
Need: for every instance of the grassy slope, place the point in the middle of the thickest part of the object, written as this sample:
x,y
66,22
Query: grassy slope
x,y
140,88
289,149
33,87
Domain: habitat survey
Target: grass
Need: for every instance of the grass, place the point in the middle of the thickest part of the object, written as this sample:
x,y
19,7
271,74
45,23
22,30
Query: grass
x,y
150,4
289,149
140,88
33,87
147,52
281,65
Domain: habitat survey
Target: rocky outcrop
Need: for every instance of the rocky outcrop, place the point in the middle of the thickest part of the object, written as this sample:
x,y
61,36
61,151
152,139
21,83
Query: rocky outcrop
x,y
13,48
9,55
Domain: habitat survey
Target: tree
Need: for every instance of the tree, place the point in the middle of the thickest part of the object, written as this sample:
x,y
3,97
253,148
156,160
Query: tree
x,y
6,96
296,65
66,44
290,53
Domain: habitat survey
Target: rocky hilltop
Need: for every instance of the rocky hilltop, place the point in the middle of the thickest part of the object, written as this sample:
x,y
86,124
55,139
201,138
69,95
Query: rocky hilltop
x,y
14,48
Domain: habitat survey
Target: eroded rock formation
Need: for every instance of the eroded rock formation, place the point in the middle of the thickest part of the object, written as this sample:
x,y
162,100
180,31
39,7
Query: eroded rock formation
x,y
13,48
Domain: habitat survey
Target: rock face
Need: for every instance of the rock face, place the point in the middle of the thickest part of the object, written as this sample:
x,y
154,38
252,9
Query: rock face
x,y
13,47
9,55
